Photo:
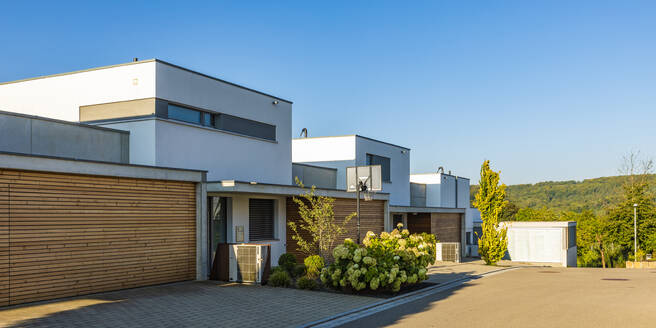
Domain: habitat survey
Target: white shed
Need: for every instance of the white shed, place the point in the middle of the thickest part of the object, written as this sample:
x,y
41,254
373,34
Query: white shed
x,y
542,242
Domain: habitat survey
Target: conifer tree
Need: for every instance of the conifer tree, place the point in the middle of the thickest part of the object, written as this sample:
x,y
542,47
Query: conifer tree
x,y
490,201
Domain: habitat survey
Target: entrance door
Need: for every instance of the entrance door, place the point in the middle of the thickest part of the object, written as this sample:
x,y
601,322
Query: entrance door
x,y
218,228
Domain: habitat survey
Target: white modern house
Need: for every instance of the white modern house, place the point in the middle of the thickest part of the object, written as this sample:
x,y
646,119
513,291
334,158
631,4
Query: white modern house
x,y
436,203
341,152
180,118
177,117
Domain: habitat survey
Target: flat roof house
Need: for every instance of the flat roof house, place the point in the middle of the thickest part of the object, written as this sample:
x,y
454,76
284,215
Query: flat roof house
x,y
435,203
163,115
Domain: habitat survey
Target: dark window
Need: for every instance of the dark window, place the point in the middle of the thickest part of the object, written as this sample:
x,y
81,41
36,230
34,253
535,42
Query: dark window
x,y
183,114
244,126
384,162
469,240
260,219
396,219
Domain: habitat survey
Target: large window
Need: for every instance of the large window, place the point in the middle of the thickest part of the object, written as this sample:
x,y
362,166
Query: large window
x,y
184,114
384,162
244,126
260,219
223,122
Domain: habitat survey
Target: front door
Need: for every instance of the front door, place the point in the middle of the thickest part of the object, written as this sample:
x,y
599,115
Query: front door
x,y
218,228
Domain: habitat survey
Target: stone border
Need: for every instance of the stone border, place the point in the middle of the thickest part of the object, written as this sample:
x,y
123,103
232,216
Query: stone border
x,y
367,310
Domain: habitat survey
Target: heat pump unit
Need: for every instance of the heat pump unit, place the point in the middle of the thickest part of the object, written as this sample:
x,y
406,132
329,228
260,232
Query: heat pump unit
x,y
447,252
248,262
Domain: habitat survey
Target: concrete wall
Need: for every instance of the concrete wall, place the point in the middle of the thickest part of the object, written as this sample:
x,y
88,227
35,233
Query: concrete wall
x,y
309,175
48,137
61,96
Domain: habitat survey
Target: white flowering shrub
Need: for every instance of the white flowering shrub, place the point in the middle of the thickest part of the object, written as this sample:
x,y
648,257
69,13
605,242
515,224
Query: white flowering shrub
x,y
389,261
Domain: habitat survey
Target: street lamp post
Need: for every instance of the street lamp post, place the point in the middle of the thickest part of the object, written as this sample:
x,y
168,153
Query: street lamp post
x,y
635,232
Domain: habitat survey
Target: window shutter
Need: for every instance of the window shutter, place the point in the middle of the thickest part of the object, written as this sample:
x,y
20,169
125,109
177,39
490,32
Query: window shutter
x,y
260,219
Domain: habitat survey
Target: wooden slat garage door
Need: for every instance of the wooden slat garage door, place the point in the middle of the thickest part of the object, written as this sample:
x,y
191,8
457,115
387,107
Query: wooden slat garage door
x,y
74,234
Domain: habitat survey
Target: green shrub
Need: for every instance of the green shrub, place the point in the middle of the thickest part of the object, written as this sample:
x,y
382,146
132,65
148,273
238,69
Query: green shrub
x,y
299,270
313,265
386,262
307,283
280,279
287,261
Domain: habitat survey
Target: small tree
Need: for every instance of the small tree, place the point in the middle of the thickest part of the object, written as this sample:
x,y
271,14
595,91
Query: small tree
x,y
490,201
318,222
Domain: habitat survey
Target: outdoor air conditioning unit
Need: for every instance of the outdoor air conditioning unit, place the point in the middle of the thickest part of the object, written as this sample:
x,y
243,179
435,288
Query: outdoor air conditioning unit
x,y
447,252
248,262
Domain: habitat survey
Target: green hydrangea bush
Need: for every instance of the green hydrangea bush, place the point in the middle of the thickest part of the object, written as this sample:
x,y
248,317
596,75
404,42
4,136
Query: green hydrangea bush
x,y
387,261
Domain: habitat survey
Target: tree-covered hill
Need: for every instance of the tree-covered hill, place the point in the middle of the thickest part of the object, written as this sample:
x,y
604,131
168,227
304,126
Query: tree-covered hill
x,y
590,194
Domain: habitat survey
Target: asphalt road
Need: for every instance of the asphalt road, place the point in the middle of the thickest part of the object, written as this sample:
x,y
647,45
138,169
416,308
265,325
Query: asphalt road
x,y
535,297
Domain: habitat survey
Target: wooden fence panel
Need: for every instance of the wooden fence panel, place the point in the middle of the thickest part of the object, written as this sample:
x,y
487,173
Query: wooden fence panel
x,y
372,218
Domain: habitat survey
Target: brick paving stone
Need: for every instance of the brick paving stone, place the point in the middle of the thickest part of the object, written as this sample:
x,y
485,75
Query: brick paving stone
x,y
203,304
187,304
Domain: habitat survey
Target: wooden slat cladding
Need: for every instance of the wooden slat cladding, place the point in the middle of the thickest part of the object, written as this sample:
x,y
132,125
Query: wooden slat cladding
x,y
4,244
446,227
372,218
77,234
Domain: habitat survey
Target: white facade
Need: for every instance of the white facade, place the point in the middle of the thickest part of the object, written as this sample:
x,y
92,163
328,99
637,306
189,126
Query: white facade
x,y
60,96
542,242
444,190
344,151
162,142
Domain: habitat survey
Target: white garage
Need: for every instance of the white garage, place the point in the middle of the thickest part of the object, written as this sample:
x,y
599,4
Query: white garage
x,y
542,242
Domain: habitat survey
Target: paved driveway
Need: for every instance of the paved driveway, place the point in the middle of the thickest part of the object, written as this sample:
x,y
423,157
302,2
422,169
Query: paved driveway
x,y
191,304
204,304
535,297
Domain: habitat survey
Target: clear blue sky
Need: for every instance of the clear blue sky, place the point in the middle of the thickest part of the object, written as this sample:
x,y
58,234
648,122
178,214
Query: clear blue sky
x,y
546,91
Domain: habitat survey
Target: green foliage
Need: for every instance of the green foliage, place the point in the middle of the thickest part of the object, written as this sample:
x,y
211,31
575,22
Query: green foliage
x,y
307,283
314,264
594,195
385,262
318,221
287,261
299,270
490,201
280,279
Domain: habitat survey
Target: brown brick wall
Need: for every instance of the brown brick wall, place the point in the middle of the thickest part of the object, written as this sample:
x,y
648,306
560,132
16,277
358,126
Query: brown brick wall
x,y
372,214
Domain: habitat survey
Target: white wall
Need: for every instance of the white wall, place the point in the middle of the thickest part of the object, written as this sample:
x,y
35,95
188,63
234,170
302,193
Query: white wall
x,y
142,140
399,187
328,149
223,155
61,96
433,182
463,192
